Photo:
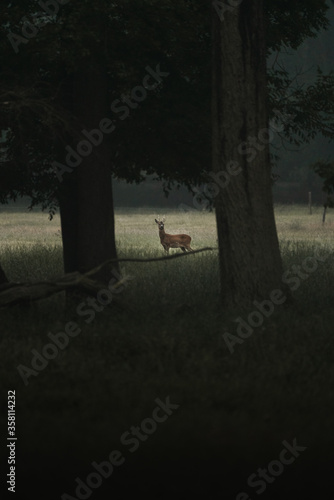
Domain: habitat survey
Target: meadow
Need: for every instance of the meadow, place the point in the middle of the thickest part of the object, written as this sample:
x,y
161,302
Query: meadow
x,y
163,337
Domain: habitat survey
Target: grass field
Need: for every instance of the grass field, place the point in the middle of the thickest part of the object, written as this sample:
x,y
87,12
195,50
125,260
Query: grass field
x,y
166,339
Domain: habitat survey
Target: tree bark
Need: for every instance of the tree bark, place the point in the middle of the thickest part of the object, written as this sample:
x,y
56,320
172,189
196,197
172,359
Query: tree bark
x,y
250,261
86,201
3,277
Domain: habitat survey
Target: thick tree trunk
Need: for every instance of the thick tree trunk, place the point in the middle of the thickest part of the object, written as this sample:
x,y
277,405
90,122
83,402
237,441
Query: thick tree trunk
x,y
86,202
3,277
69,213
250,261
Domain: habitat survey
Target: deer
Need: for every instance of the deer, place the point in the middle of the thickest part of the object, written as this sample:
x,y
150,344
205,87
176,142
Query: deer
x,y
173,240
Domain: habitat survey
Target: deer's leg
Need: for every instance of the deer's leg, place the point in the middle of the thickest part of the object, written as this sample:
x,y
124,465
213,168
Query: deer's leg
x,y
183,249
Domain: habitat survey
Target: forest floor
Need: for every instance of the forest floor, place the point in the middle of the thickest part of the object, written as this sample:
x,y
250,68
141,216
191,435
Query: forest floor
x,y
211,415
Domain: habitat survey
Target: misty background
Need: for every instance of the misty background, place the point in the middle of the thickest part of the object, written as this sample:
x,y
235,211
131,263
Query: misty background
x,y
296,178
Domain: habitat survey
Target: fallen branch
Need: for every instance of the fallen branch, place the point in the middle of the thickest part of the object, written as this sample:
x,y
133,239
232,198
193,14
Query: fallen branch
x,y
152,259
14,293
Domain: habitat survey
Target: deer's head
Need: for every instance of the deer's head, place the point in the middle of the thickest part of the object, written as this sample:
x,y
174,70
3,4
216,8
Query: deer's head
x,y
161,223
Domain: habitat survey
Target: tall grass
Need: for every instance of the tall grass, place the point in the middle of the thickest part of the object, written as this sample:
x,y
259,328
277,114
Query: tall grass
x,y
166,338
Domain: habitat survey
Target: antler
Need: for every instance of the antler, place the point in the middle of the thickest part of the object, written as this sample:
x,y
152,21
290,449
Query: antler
x,y
163,219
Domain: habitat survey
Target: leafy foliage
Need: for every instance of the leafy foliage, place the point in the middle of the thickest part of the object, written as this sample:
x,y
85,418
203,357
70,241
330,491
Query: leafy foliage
x,y
306,110
291,21
169,133
326,171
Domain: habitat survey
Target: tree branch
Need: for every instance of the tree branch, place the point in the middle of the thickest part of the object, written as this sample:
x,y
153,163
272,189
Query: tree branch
x,y
14,293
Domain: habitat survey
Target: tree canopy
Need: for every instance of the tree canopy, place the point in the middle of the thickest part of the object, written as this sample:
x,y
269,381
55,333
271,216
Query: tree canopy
x,y
167,134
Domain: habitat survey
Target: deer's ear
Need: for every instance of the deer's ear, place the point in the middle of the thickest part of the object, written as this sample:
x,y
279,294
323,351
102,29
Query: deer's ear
x,y
156,221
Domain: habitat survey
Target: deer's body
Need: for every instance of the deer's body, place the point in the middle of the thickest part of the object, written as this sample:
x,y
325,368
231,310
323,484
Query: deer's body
x,y
173,240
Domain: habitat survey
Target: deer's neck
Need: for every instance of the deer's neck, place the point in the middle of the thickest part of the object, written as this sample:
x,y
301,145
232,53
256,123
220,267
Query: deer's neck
x,y
162,233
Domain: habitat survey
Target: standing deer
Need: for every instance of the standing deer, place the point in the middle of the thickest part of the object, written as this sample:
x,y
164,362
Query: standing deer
x,y
173,240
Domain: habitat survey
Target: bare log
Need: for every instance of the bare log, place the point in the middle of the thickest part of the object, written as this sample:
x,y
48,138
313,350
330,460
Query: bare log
x,y
15,293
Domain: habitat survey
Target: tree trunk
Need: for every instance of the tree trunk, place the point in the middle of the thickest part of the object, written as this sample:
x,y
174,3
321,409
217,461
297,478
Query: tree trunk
x,y
250,261
3,277
86,201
